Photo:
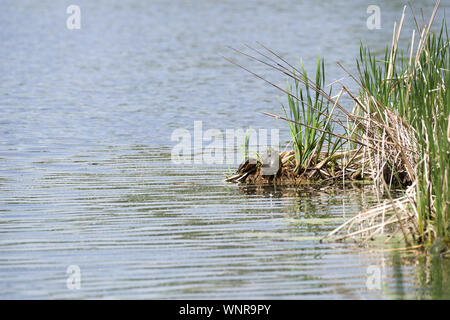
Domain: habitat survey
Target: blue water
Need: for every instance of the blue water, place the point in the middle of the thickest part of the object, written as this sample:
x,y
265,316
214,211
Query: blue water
x,y
85,142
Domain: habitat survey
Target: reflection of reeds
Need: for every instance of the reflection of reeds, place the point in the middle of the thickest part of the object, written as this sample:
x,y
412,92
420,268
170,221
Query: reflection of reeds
x,y
395,215
398,133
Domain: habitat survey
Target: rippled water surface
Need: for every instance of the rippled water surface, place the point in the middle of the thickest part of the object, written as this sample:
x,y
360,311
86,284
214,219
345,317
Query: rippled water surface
x,y
85,146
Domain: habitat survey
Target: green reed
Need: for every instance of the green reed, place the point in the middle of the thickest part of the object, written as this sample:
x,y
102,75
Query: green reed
x,y
309,111
417,89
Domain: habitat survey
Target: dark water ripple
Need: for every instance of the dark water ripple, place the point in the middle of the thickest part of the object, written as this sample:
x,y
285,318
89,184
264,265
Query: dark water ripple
x,y
85,173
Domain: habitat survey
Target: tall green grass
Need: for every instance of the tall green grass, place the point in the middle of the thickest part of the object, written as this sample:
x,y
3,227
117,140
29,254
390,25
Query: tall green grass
x,y
402,114
399,130
309,111
416,87
427,108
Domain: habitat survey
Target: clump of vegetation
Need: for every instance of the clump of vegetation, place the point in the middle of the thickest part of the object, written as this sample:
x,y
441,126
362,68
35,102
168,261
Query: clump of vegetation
x,y
398,134
409,98
309,105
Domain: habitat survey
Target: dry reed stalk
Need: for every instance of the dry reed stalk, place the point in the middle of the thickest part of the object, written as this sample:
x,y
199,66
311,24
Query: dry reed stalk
x,y
377,220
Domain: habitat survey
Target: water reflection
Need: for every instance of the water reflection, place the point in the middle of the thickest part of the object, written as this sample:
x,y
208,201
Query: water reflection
x,y
433,272
111,215
85,143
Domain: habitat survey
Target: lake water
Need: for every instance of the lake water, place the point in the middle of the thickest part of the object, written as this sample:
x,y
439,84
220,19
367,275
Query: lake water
x,y
86,177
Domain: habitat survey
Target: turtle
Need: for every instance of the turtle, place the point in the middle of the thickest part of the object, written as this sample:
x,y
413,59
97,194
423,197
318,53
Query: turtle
x,y
248,166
